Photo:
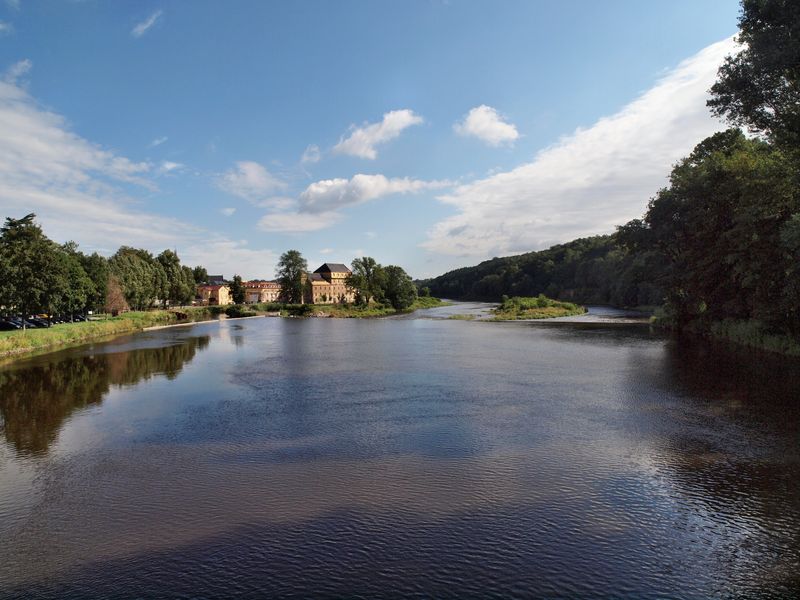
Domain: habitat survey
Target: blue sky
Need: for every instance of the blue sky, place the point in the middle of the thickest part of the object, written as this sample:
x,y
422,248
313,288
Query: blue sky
x,y
428,134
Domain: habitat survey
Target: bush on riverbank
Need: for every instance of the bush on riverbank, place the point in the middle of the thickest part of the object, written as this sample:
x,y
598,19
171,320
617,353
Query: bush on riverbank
x,y
238,311
540,307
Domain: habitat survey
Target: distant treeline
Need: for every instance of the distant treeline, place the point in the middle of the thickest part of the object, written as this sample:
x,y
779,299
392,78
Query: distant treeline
x,y
40,276
719,247
594,270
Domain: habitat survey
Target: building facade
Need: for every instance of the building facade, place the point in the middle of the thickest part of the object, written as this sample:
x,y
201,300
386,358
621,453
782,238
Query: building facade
x,y
327,285
211,295
259,291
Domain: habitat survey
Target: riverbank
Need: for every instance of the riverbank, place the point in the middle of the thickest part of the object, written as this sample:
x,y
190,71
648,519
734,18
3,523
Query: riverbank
x,y
19,343
15,344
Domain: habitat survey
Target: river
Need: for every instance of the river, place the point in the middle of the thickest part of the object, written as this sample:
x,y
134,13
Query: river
x,y
414,457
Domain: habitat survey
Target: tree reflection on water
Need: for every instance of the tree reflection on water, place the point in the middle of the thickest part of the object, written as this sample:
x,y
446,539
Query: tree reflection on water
x,y
36,401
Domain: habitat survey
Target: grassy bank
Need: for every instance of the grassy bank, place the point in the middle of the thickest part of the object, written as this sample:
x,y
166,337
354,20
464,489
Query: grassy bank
x,y
342,311
541,307
15,343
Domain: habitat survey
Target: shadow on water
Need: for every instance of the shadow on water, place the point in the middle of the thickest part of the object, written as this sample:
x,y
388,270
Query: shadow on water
x,y
36,401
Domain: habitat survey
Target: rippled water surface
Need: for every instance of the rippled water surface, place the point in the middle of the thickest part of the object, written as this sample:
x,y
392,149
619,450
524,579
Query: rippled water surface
x,y
399,458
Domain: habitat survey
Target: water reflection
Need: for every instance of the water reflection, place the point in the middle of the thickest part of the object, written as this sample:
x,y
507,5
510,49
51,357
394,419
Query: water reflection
x,y
428,458
36,401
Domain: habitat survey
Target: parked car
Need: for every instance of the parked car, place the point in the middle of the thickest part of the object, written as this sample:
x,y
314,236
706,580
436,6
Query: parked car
x,y
8,325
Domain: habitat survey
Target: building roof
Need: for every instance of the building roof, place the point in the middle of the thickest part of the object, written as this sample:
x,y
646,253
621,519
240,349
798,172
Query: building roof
x,y
333,268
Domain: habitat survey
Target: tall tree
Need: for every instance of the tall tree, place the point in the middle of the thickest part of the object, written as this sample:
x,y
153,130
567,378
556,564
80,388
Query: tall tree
x,y
190,287
400,290
759,87
177,287
292,269
237,290
29,257
96,267
78,286
367,278
725,226
200,275
141,276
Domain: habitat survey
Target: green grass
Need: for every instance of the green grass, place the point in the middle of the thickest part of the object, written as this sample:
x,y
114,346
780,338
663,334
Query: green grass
x,y
540,307
15,343
353,311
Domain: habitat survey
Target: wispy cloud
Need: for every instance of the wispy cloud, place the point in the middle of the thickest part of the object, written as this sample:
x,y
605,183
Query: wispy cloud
x,y
332,194
81,191
158,141
6,28
17,70
141,28
168,166
486,124
251,181
590,181
318,205
296,222
311,154
228,212
362,140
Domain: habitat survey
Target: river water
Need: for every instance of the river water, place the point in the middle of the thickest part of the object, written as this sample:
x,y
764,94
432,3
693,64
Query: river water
x,y
416,457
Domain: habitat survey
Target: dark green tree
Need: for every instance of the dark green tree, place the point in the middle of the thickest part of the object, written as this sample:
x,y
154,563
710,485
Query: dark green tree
x,y
200,275
237,290
32,278
189,285
96,267
724,225
291,274
759,87
178,289
141,277
78,288
399,289
368,279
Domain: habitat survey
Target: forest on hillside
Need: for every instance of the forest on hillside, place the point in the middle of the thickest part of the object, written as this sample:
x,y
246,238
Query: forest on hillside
x,y
719,247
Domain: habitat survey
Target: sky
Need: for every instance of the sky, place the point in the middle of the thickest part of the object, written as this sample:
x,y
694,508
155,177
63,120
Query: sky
x,y
430,134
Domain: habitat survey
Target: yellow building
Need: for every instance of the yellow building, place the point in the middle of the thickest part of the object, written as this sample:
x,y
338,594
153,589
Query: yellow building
x,y
259,291
214,294
328,285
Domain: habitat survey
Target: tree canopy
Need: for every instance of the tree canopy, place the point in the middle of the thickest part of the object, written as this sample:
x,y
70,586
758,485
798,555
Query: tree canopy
x,y
759,87
292,268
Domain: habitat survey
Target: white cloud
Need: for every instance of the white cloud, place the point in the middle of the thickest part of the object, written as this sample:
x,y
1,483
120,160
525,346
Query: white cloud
x,y
17,70
296,222
141,28
80,191
371,234
326,251
249,180
484,123
589,181
228,211
229,257
331,194
311,154
362,140
158,141
6,28
168,166
13,4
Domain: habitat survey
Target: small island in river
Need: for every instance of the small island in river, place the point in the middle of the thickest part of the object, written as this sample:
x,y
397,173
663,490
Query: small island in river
x,y
540,307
